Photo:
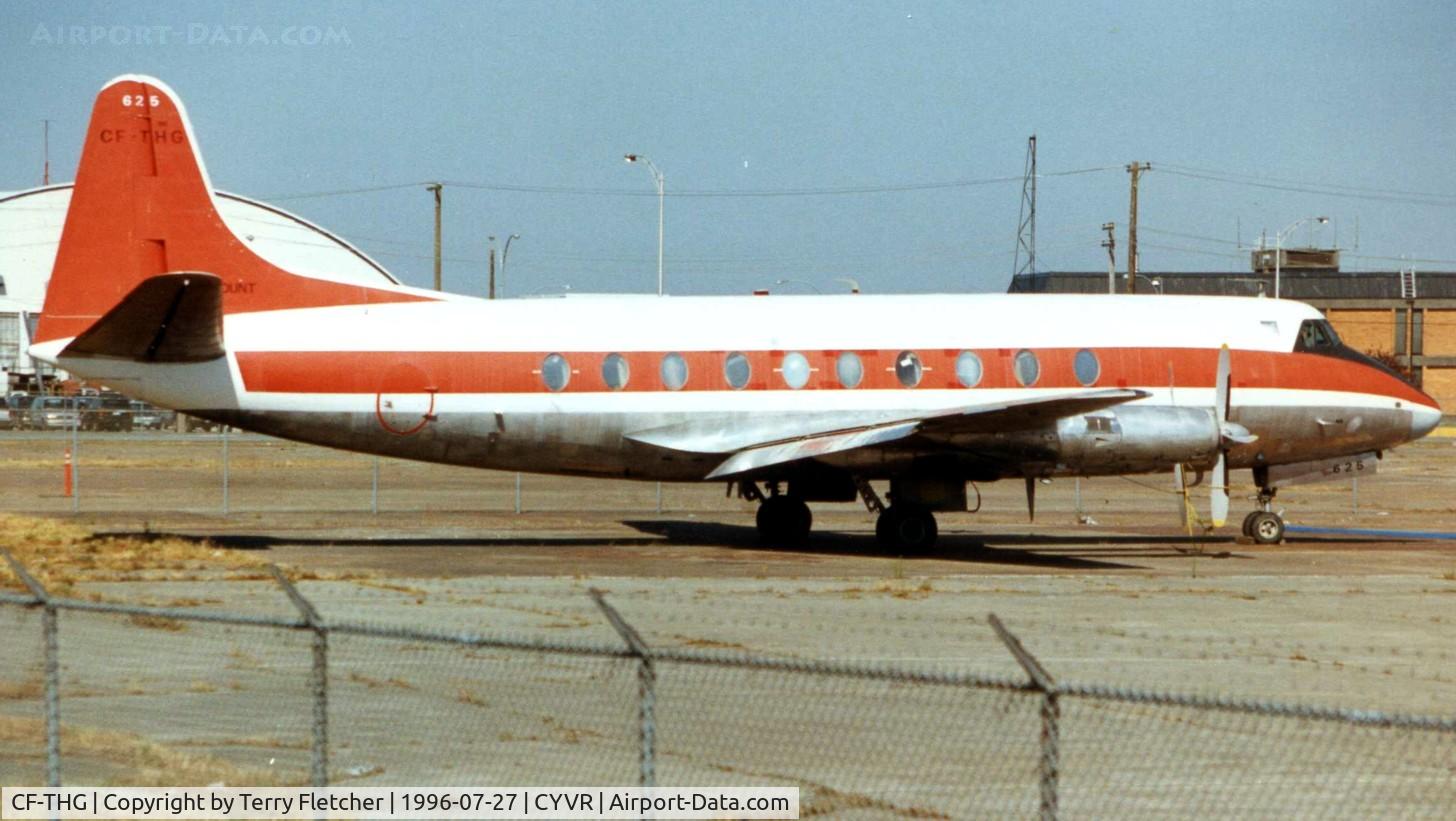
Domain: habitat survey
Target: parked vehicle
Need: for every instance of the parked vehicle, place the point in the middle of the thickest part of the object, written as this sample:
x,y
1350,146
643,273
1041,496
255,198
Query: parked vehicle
x,y
18,410
106,412
4,413
53,412
150,417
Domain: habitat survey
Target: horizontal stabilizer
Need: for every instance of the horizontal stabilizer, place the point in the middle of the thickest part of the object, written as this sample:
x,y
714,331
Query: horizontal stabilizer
x,y
174,317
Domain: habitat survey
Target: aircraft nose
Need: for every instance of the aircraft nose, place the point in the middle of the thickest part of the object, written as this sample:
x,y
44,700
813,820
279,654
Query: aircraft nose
x,y
1424,420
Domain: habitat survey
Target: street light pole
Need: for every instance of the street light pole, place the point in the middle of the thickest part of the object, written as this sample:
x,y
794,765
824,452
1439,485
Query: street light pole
x,y
437,189
1279,245
505,254
657,178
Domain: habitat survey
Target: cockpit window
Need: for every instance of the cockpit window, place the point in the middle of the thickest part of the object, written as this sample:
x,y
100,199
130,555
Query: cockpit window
x,y
1316,335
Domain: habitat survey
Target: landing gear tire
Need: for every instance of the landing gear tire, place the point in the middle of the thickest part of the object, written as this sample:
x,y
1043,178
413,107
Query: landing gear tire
x,y
784,520
1265,527
1249,523
910,529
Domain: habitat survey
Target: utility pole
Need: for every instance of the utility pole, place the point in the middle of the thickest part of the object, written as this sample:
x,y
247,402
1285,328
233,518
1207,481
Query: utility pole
x,y
1135,169
45,176
1026,229
437,188
1110,243
490,289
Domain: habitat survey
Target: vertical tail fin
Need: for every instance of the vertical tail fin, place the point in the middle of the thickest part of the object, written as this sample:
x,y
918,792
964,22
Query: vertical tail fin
x,y
143,206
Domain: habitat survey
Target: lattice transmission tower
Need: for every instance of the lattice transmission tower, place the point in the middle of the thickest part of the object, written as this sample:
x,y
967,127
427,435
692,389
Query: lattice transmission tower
x,y
1023,263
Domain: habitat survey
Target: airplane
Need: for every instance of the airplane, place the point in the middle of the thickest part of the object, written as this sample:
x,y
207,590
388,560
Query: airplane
x,y
786,399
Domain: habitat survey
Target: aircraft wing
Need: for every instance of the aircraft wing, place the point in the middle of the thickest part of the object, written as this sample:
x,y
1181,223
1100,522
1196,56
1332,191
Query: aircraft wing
x,y
766,443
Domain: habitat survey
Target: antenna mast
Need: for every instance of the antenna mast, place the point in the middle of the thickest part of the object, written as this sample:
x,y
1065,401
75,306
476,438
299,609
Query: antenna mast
x,y
1026,230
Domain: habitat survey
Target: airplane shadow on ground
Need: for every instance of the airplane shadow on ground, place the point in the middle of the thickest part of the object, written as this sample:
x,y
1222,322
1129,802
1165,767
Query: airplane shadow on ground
x,y
1030,550
252,541
1067,552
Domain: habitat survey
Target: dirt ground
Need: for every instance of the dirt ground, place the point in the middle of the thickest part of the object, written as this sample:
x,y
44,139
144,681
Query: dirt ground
x,y
1114,594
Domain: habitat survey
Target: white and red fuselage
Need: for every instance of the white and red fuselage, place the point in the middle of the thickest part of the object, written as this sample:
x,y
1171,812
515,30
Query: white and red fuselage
x,y
669,388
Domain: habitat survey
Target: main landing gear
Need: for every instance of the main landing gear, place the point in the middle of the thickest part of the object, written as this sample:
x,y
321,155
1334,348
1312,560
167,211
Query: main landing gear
x,y
901,526
1265,526
782,518
785,519
906,527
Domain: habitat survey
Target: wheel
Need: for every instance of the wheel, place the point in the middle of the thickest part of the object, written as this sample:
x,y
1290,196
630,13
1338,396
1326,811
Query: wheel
x,y
784,520
1266,528
1249,523
910,529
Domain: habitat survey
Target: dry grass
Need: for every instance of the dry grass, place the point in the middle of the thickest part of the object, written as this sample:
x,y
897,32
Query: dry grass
x,y
373,683
21,690
135,761
61,555
465,696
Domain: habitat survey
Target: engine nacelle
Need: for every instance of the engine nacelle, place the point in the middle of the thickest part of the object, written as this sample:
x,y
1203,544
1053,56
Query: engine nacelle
x,y
1137,439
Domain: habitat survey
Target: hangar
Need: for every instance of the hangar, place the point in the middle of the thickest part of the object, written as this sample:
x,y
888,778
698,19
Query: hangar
x,y
31,222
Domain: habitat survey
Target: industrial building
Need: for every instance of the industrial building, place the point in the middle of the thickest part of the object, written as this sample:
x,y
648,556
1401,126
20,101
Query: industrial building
x,y
1404,315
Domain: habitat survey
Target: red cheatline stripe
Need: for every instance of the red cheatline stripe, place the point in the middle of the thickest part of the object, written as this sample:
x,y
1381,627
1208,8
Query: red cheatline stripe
x,y
372,372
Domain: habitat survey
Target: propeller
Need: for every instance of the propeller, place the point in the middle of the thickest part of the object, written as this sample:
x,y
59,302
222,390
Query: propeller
x,y
1229,434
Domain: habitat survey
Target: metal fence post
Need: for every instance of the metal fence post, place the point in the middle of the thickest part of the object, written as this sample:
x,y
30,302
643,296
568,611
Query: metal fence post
x,y
1050,716
225,465
320,678
50,632
76,463
646,687
374,489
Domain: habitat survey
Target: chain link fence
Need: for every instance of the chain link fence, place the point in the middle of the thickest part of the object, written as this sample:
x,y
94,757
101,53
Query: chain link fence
x,y
96,692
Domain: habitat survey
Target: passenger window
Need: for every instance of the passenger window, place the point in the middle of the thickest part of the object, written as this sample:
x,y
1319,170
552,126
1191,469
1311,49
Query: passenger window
x,y
849,369
615,371
968,369
1086,367
737,370
1027,368
674,372
555,372
795,370
908,368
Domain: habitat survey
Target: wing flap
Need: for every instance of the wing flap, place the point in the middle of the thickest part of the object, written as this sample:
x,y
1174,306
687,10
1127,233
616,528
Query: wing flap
x,y
751,459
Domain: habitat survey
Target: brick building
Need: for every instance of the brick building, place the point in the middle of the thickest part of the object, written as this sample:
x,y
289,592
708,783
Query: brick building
x,y
1410,316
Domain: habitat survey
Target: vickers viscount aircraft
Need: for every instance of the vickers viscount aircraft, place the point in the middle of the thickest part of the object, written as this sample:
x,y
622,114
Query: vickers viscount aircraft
x,y
788,400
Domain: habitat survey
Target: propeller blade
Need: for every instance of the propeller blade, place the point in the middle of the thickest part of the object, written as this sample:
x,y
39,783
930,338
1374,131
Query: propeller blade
x,y
1219,491
1030,499
1180,485
1221,387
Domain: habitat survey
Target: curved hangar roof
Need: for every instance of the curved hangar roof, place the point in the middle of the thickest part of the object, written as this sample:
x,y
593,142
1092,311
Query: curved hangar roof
x,y
30,231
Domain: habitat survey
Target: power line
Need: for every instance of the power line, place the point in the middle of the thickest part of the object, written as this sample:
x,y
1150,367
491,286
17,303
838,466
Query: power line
x,y
688,192
1291,181
1434,200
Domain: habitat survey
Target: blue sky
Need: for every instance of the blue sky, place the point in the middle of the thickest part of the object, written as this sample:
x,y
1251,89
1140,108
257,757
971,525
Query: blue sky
x,y
1253,115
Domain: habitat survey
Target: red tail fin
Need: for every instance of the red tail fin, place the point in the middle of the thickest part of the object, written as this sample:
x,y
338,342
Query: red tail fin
x,y
143,206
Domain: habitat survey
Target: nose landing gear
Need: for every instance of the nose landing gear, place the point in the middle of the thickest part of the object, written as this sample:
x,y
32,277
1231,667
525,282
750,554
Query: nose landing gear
x,y
1265,526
